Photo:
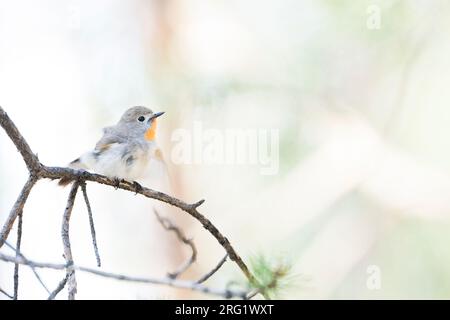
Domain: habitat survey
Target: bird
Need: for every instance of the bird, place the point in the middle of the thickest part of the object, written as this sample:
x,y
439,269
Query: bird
x,y
125,150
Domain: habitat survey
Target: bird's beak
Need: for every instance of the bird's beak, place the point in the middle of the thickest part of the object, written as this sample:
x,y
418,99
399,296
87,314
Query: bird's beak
x,y
156,115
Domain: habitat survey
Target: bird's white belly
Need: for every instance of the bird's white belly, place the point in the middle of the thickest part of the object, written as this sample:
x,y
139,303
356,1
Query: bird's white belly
x,y
116,163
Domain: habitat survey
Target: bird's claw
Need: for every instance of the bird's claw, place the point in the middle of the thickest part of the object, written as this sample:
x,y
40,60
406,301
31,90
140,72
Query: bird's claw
x,y
116,183
137,187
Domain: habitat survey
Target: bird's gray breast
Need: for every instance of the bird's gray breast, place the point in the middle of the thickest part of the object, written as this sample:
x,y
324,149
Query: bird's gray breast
x,y
134,151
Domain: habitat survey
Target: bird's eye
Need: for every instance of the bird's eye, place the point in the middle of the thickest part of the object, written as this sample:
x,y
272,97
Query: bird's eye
x,y
141,119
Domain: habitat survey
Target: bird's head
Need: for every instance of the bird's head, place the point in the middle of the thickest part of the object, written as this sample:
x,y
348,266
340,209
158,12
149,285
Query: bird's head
x,y
142,121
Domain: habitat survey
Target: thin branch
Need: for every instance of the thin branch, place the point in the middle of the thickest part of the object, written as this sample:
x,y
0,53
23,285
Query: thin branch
x,y
16,266
31,160
36,274
181,284
213,271
252,294
91,223
17,208
6,294
27,262
169,226
72,282
58,289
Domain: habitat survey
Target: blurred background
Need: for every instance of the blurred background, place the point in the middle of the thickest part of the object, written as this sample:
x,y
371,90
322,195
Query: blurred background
x,y
357,91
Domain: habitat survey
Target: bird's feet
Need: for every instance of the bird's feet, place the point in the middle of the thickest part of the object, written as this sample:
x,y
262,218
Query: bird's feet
x,y
137,187
117,182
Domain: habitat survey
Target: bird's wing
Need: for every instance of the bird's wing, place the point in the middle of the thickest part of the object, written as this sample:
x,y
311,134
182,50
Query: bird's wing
x,y
87,161
110,137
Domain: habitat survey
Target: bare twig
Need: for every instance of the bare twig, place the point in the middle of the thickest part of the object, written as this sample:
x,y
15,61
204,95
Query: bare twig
x,y
72,282
16,266
36,274
31,160
181,284
17,208
169,226
213,271
58,289
252,294
27,262
91,223
6,294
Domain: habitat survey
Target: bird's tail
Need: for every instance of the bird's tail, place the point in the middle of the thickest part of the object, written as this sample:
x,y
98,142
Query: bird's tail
x,y
75,164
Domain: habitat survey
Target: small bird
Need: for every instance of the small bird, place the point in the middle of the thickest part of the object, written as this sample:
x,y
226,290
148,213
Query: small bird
x,y
125,150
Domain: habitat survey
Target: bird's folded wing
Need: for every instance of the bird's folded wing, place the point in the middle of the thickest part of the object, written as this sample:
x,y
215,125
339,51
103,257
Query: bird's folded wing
x,y
109,138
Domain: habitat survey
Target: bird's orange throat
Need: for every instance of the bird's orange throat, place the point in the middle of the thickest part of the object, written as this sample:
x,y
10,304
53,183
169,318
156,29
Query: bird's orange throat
x,y
150,134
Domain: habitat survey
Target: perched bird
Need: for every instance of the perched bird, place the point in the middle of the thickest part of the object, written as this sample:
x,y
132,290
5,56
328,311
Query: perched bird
x,y
125,150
